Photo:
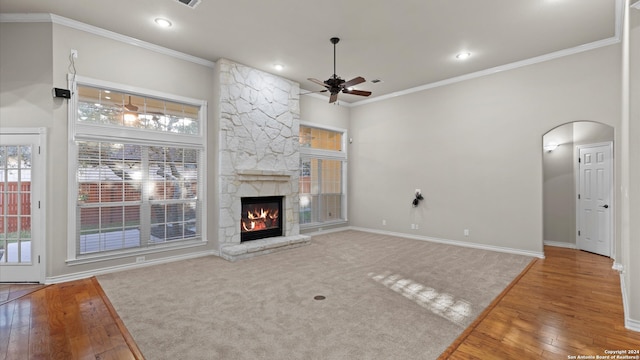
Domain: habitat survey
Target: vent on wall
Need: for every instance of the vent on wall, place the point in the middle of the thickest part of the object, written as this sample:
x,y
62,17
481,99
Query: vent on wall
x,y
190,3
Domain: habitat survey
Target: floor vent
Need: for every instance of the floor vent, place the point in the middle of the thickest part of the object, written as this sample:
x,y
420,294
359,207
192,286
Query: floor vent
x,y
190,3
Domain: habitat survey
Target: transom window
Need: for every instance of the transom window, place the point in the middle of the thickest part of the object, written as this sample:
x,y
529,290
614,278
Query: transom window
x,y
111,107
138,169
323,162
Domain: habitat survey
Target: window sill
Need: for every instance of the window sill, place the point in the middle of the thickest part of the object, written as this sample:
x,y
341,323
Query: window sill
x,y
94,258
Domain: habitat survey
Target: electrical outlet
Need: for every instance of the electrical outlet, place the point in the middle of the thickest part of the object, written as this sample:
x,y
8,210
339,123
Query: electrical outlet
x,y
466,232
140,259
74,53
417,226
384,222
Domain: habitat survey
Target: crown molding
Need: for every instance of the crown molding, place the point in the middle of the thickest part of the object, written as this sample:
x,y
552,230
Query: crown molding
x,y
616,38
55,19
494,70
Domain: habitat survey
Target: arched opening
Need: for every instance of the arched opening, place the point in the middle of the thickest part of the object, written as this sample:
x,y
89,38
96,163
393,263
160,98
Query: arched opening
x,y
567,219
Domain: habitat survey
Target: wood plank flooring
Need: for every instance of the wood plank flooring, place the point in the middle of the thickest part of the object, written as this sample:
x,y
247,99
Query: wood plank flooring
x,y
65,321
567,304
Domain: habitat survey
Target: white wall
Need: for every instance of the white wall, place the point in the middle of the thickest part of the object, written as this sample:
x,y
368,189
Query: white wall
x,y
559,210
317,110
474,149
35,58
25,75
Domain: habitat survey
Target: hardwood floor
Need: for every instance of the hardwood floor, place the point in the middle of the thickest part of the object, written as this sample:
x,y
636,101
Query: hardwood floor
x,y
71,320
567,304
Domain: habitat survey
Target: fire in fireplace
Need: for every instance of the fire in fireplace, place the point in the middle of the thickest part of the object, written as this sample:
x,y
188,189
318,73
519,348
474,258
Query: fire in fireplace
x,y
261,217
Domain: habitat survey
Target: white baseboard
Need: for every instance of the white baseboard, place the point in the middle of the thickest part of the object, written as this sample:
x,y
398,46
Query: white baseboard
x,y
617,266
86,274
454,242
324,231
560,244
629,323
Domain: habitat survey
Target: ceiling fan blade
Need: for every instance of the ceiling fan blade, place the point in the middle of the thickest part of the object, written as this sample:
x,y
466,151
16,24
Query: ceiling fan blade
x,y
313,92
357,92
354,81
333,98
318,82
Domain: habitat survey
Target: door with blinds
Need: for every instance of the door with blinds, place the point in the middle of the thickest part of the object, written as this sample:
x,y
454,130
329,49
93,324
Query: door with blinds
x,y
20,207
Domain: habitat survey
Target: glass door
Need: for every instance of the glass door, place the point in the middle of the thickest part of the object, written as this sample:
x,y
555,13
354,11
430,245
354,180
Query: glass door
x,y
20,258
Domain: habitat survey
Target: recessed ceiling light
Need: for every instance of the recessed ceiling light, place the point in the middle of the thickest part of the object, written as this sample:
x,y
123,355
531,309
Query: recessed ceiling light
x,y
278,67
162,22
463,55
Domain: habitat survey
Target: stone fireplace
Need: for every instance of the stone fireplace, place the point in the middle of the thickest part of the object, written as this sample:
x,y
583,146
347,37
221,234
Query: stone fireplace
x,y
259,157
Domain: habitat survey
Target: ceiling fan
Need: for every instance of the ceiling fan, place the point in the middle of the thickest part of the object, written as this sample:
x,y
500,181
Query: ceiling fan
x,y
335,84
129,106
134,109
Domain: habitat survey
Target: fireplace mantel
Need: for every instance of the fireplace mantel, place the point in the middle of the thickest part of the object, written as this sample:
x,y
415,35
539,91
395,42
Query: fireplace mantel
x,y
264,175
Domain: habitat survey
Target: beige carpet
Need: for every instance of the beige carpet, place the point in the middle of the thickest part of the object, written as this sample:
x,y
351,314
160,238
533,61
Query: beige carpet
x,y
385,298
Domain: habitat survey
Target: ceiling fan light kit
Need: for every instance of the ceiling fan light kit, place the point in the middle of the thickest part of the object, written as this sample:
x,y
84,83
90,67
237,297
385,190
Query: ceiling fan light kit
x,y
335,84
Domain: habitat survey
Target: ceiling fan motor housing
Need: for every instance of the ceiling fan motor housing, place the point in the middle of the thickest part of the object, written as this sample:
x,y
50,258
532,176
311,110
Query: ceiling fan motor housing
x,y
334,84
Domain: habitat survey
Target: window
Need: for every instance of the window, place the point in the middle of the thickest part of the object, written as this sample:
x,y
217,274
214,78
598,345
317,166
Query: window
x,y
323,162
138,169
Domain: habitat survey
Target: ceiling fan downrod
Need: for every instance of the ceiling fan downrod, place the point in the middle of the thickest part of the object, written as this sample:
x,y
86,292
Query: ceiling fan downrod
x,y
334,41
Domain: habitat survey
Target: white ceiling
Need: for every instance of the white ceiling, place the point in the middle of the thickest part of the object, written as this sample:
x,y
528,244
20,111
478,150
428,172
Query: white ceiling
x,y
407,44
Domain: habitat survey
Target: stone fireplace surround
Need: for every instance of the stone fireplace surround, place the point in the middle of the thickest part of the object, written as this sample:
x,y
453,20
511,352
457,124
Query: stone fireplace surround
x,y
258,148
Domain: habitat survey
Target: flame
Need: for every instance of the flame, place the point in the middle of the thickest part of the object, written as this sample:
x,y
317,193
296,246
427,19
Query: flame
x,y
258,219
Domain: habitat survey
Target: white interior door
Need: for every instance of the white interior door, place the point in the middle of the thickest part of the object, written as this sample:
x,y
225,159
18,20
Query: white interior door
x,y
594,198
21,241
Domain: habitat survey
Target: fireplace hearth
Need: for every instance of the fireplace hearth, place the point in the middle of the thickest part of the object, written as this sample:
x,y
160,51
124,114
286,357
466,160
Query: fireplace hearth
x,y
261,217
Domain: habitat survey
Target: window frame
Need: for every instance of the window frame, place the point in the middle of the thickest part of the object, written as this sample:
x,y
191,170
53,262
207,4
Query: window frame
x,y
321,154
78,131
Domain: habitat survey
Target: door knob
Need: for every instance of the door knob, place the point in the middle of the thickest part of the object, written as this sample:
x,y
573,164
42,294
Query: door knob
x,y
605,206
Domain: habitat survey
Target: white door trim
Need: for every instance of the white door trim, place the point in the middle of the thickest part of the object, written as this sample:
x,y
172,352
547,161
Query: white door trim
x,y
612,206
38,193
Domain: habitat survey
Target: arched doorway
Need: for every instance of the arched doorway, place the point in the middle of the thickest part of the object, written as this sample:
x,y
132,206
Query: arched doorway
x,y
571,219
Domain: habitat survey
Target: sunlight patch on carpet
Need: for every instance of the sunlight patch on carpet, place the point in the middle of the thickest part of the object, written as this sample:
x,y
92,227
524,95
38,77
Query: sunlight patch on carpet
x,y
442,304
